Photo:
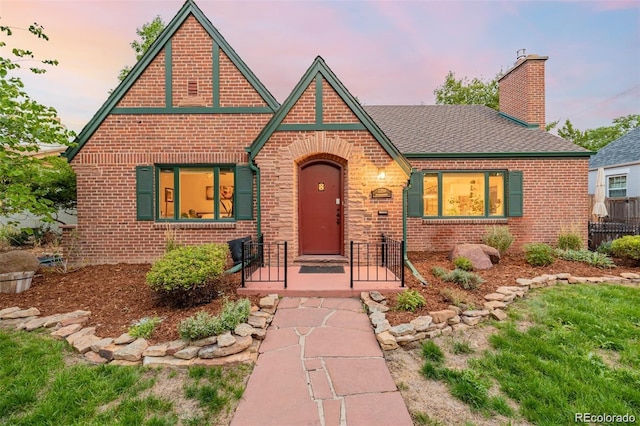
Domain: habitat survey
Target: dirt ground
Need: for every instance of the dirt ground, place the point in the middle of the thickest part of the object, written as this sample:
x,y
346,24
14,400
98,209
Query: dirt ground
x,y
117,296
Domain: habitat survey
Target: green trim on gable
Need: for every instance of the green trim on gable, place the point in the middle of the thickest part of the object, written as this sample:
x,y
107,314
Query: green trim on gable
x,y
320,69
427,155
518,121
191,110
189,8
319,99
168,75
216,74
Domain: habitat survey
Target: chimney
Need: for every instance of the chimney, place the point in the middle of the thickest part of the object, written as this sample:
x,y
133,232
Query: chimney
x,y
522,89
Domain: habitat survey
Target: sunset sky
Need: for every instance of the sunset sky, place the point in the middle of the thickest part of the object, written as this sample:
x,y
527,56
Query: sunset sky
x,y
385,52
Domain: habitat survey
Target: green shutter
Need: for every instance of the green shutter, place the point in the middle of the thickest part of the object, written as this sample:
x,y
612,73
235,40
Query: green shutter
x,y
414,196
144,192
515,194
244,193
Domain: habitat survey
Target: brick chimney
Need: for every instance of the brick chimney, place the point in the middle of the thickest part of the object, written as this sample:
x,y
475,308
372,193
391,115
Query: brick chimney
x,y
522,90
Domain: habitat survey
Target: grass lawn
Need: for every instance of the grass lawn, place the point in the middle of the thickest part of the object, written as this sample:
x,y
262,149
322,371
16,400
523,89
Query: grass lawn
x,y
41,382
565,350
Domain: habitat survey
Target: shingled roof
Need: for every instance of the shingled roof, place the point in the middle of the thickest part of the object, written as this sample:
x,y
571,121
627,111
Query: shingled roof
x,y
624,150
472,130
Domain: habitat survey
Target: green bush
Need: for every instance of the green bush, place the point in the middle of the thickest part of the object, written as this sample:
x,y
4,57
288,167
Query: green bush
x,y
465,279
197,327
569,240
592,258
627,247
145,327
439,272
538,254
499,238
204,325
410,300
463,263
604,248
13,236
184,268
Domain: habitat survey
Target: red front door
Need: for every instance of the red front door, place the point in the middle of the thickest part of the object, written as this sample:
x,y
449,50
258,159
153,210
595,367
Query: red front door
x,y
320,208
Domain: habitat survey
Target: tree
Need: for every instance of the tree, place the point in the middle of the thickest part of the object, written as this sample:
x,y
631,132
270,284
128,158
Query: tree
x,y
148,34
25,126
595,139
465,92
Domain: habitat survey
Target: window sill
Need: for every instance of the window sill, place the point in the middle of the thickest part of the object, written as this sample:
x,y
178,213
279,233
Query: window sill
x,y
469,221
194,225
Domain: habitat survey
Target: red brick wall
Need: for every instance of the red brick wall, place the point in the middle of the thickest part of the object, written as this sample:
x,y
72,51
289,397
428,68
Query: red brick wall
x,y
334,110
554,197
304,110
108,231
522,91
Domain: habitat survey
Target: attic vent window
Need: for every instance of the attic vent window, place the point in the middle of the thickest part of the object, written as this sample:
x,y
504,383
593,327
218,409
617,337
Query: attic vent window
x,y
192,88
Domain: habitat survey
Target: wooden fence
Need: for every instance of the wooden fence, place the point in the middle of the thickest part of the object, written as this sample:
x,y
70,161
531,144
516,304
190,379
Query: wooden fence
x,y
620,209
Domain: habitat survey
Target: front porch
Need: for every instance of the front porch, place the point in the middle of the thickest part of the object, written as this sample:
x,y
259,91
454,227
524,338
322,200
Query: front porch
x,y
372,266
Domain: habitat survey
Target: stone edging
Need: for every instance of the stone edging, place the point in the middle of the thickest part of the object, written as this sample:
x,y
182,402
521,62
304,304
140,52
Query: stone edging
x,y
448,320
239,346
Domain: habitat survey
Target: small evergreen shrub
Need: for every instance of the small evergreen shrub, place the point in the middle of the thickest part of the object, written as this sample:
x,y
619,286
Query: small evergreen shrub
x,y
439,272
465,279
410,300
538,254
463,263
569,240
499,238
627,247
605,248
187,276
204,324
592,258
144,328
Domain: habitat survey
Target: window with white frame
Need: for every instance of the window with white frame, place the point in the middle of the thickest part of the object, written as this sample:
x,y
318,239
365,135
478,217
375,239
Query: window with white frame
x,y
617,186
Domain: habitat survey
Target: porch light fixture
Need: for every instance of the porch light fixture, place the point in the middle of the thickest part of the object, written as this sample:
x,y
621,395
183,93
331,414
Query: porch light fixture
x,y
382,174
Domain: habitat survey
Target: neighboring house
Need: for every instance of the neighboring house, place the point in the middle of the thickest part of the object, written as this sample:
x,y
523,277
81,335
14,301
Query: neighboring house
x,y
193,143
620,160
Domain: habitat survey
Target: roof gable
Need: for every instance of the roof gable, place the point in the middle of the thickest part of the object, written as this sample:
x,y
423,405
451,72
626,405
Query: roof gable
x,y
624,150
318,73
163,44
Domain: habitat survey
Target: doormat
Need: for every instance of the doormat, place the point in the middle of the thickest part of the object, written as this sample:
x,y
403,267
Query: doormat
x,y
321,269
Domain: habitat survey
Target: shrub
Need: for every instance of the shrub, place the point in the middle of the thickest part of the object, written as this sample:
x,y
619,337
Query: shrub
x,y
204,325
188,275
499,238
439,272
569,240
197,327
465,279
604,248
410,300
13,236
456,297
145,327
538,254
463,263
596,259
627,247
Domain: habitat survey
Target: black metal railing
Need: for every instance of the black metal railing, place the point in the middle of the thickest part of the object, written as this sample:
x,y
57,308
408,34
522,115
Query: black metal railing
x,y
600,232
379,261
264,262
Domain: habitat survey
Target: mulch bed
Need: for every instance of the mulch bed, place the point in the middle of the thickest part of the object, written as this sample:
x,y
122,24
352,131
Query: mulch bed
x,y
117,295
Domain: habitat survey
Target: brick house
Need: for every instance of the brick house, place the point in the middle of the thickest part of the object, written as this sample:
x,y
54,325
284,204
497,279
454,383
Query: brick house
x,y
193,144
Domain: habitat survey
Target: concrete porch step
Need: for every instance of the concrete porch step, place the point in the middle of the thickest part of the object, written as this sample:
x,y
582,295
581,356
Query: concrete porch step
x,y
321,260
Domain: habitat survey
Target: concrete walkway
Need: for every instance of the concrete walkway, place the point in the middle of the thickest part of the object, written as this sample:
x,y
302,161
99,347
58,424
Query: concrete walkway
x,y
320,364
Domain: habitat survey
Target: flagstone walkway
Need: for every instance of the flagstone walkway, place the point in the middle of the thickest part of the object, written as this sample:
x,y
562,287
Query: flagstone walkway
x,y
320,364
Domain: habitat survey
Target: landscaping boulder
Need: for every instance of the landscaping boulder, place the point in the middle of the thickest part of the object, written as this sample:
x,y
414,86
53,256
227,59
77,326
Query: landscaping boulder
x,y
18,261
481,256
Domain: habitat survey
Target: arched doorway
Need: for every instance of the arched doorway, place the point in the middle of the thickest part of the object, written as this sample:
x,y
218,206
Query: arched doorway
x,y
320,212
